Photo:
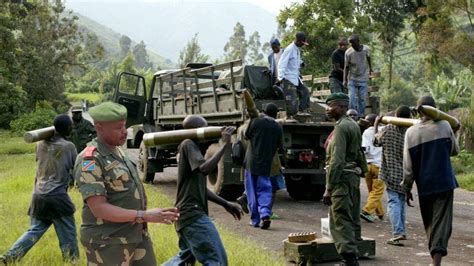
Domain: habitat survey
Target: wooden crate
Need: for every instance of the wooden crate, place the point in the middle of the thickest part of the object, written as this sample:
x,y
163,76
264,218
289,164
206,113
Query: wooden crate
x,y
321,250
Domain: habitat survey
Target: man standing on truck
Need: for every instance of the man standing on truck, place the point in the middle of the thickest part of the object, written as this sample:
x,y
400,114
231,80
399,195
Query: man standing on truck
x,y
274,58
345,163
336,78
357,68
289,74
50,204
198,237
265,136
114,216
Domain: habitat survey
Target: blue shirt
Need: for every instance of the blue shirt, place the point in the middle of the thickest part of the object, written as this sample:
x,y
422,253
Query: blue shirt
x,y
426,159
289,64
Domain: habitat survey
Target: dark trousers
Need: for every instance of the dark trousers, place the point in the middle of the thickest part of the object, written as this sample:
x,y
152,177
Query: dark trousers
x,y
295,104
437,214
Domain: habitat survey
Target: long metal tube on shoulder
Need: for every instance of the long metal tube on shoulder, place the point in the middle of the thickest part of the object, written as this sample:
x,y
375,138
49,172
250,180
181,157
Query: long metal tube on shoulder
x,y
399,121
176,136
38,134
436,114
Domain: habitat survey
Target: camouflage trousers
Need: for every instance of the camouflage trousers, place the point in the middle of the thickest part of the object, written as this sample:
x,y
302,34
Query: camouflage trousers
x,y
125,254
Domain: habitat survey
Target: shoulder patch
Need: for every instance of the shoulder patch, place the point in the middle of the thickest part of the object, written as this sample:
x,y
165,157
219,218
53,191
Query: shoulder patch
x,y
89,151
88,165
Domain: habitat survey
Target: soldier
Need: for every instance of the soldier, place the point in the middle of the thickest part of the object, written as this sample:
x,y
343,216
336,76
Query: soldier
x,y
198,237
50,204
114,216
345,164
82,130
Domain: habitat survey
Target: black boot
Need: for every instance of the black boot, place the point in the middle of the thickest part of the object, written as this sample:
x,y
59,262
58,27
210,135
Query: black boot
x,y
349,259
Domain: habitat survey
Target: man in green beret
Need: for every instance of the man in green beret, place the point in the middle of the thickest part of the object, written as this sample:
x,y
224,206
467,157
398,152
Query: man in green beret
x,y
115,215
82,130
345,164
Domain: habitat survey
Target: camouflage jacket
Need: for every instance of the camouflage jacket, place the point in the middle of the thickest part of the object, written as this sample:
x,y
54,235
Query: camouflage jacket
x,y
82,132
100,172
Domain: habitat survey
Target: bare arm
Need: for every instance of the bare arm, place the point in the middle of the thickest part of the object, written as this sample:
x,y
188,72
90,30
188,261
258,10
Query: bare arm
x,y
370,64
232,208
212,162
102,209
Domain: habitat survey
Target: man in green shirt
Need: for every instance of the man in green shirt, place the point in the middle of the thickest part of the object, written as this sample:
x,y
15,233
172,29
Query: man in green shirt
x,y
115,215
345,163
82,130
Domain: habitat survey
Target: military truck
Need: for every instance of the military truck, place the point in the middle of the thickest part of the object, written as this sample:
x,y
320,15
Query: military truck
x,y
215,92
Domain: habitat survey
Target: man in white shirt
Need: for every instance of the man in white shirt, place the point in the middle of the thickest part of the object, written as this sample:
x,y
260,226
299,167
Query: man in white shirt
x,y
375,186
289,75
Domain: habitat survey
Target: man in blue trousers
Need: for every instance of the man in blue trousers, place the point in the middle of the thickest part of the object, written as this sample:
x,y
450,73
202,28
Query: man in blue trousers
x,y
265,136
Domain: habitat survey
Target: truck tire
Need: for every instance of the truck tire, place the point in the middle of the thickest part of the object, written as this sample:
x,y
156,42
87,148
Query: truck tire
x,y
299,187
215,179
142,165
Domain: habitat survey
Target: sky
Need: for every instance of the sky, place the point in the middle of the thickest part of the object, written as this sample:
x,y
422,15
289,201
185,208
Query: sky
x,y
272,6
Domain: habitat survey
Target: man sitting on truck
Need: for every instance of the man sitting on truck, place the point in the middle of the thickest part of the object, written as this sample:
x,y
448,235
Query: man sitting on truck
x,y
198,237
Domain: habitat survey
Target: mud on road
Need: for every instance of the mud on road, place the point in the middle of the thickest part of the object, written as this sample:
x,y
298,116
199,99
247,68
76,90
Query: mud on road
x,y
305,216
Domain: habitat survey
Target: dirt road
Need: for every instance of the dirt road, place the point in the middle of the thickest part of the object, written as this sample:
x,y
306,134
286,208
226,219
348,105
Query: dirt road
x,y
305,216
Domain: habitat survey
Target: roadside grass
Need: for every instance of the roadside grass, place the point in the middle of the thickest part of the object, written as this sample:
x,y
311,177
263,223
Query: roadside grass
x,y
17,173
91,97
463,165
11,144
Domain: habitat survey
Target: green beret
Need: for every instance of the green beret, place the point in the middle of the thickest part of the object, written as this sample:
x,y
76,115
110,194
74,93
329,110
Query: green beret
x,y
76,108
337,96
108,111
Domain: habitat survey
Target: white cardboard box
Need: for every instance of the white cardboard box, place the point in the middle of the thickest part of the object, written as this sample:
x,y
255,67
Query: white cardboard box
x,y
325,230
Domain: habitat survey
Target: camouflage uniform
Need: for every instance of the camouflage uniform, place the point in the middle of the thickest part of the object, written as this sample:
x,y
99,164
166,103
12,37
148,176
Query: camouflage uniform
x,y
101,172
343,154
82,132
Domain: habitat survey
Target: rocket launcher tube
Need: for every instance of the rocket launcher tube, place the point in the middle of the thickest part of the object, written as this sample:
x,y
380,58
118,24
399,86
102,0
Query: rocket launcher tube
x,y
436,114
38,134
176,136
399,121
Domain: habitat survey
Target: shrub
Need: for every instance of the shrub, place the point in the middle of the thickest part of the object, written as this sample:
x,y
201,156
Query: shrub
x,y
42,117
399,94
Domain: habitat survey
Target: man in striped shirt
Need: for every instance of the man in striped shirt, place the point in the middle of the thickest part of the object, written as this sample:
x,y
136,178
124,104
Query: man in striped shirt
x,y
426,161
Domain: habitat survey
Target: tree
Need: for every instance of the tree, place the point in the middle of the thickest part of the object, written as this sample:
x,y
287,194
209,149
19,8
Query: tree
x,y
323,21
254,48
141,56
11,94
49,45
388,19
191,53
236,47
443,34
125,44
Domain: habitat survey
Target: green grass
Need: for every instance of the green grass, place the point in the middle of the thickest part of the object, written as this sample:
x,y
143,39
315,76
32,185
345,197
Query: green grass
x,y
90,97
466,181
463,165
11,144
17,172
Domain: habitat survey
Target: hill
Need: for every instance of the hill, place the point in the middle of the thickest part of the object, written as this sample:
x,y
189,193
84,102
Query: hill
x,y
165,27
110,40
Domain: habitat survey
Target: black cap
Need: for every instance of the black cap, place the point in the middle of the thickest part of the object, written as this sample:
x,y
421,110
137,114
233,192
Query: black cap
x,y
301,36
